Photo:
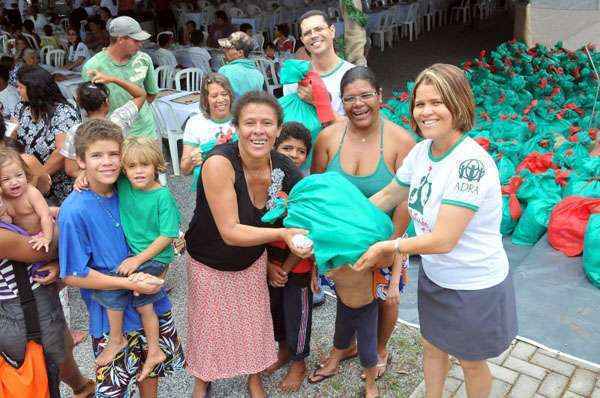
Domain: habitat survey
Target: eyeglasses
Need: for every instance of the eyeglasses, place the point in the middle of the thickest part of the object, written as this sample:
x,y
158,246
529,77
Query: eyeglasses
x,y
364,97
315,31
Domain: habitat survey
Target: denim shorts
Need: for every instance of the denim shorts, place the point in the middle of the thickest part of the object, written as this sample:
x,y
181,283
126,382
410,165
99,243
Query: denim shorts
x,y
119,299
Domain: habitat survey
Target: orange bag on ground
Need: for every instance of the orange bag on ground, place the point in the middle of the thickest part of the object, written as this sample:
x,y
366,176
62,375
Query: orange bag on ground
x,y
30,380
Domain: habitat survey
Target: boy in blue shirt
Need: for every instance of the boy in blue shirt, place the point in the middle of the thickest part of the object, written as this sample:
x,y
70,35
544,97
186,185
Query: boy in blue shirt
x,y
91,239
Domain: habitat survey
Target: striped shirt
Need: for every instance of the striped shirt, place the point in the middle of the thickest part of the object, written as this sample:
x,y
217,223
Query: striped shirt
x,y
8,283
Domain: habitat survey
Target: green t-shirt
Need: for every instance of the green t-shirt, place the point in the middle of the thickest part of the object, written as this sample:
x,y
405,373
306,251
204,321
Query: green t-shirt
x,y
243,76
146,215
139,70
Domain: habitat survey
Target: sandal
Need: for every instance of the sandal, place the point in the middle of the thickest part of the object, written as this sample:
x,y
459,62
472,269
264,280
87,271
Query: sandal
x,y
381,368
89,383
316,378
346,358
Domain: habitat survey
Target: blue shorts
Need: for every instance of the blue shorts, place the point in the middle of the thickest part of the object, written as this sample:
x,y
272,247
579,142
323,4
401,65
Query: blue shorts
x,y
117,300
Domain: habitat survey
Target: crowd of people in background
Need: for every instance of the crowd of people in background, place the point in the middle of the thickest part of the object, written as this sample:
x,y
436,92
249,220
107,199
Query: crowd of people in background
x,y
251,288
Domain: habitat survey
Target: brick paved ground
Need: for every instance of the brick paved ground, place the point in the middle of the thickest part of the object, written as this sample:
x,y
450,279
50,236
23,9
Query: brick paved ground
x,y
527,371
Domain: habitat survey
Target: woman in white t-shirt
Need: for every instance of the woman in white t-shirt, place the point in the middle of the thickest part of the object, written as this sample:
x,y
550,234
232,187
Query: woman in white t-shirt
x,y
212,123
466,298
77,52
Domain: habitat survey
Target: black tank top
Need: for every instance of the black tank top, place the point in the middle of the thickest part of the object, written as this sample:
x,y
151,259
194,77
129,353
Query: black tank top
x,y
204,242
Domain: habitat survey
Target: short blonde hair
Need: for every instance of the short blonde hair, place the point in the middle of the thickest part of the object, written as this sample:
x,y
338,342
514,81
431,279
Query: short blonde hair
x,y
454,88
144,150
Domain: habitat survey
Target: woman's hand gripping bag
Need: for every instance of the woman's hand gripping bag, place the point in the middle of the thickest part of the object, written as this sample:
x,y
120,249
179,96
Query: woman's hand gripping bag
x,y
341,221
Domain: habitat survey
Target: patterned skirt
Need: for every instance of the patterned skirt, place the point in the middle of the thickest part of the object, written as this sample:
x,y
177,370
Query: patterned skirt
x,y
230,329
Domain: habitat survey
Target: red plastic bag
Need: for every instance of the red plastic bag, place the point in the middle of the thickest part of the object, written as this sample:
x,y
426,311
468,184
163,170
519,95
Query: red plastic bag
x,y
537,163
514,206
568,221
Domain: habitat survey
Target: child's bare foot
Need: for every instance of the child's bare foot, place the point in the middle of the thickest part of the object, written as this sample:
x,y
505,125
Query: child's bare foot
x,y
294,377
371,391
108,354
255,387
283,357
152,359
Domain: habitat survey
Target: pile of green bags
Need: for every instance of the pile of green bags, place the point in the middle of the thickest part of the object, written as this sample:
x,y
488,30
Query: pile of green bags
x,y
534,116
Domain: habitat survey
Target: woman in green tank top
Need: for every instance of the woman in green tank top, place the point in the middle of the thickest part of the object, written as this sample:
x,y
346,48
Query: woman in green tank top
x,y
367,150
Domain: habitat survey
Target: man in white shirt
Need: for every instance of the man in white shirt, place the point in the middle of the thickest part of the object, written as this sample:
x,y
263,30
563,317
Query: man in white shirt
x,y
164,56
9,96
317,34
199,56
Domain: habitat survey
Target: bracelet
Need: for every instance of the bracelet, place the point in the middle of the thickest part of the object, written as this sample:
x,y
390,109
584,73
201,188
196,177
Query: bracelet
x,y
397,246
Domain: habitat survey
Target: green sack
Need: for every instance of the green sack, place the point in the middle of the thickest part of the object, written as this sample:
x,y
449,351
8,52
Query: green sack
x,y
341,221
506,168
539,186
533,222
585,180
508,224
294,109
591,250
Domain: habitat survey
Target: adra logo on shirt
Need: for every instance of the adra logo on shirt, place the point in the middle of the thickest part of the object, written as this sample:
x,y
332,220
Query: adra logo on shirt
x,y
419,196
471,170
470,173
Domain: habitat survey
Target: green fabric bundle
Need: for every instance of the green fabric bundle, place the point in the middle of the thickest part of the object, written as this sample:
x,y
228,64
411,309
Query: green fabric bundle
x,y
341,221
591,250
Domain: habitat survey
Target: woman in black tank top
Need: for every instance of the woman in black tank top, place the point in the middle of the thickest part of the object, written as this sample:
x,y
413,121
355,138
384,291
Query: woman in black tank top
x,y
230,330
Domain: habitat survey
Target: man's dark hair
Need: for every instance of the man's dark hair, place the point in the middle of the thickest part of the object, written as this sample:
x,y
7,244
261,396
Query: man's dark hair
x,y
245,27
4,73
313,13
197,37
91,96
222,15
164,39
295,130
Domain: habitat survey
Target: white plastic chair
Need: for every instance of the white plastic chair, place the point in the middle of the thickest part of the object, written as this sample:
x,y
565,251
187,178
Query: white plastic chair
x,y
253,10
4,43
172,135
269,71
235,12
192,78
65,24
165,76
435,12
8,45
385,25
31,40
260,40
56,58
464,10
334,13
410,22
44,53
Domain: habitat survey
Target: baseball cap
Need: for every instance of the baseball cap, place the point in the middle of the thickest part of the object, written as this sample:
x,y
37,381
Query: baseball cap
x,y
127,26
237,40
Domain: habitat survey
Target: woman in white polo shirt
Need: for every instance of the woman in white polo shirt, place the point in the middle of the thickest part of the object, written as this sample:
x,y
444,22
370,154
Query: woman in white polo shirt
x,y
465,296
